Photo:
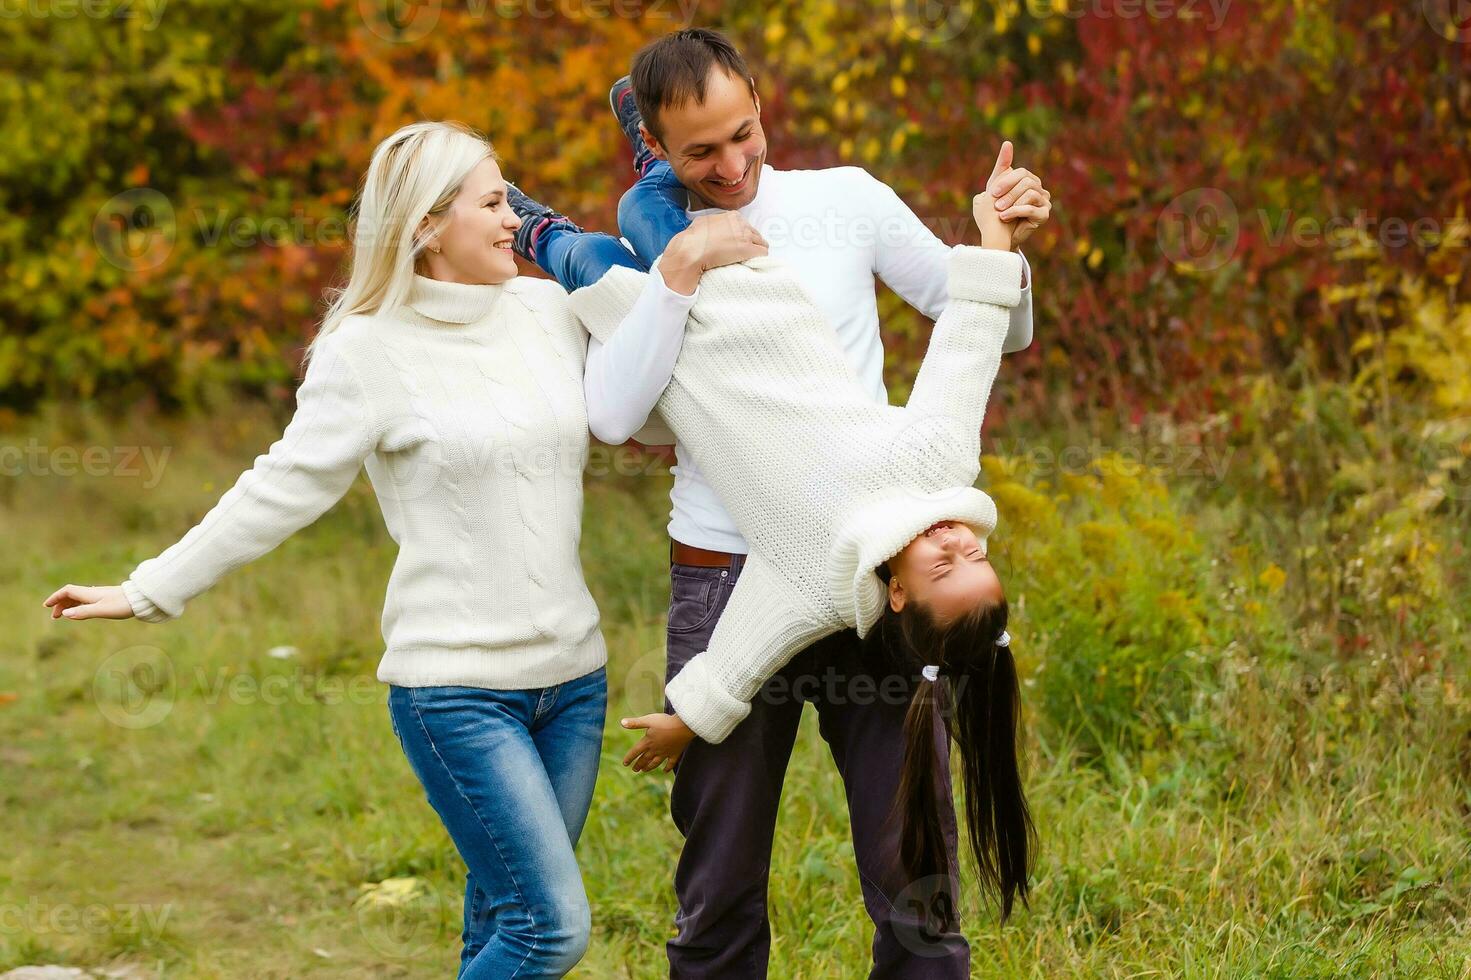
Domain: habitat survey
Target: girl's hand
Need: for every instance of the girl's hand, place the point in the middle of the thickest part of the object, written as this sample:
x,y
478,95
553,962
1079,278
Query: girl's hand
x,y
89,602
995,233
665,742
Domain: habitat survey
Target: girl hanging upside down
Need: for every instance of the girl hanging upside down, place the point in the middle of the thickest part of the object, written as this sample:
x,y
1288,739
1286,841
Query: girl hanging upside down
x,y
858,514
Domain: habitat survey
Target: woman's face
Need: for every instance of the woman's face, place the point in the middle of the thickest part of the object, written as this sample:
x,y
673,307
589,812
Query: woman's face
x,y
474,235
945,569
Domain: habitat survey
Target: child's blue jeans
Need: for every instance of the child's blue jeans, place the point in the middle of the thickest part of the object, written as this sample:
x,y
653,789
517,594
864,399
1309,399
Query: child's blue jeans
x,y
651,213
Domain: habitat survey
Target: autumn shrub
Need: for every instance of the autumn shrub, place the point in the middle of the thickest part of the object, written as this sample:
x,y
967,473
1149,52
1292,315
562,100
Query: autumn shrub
x,y
1115,592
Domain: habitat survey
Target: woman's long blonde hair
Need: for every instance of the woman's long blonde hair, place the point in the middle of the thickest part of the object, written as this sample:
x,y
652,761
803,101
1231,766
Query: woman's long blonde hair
x,y
415,172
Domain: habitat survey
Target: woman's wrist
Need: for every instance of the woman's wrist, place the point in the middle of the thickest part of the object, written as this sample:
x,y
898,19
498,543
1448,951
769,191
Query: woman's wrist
x,y
680,269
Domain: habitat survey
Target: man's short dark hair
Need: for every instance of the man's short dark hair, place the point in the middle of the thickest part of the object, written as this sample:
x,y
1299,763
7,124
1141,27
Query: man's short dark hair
x,y
673,70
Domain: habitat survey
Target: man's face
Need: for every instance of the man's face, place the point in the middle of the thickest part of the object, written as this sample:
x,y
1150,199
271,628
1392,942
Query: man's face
x,y
716,147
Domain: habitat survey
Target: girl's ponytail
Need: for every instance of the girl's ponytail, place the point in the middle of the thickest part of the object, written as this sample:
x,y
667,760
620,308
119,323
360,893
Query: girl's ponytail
x,y
922,847
975,691
987,719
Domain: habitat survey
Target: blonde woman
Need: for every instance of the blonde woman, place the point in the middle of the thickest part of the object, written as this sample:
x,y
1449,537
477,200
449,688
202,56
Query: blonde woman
x,y
460,388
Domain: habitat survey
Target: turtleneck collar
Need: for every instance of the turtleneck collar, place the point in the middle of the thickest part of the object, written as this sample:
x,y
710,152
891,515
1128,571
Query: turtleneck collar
x,y
879,527
453,302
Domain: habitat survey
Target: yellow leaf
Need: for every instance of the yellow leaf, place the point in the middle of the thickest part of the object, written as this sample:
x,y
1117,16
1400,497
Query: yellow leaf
x,y
390,892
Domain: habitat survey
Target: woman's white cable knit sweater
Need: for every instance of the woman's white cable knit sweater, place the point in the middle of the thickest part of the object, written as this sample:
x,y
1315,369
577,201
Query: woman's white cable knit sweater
x,y
823,482
466,408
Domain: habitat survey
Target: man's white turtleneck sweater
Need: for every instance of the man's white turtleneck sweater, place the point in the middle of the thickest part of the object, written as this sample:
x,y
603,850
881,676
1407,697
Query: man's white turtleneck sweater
x,y
824,482
466,408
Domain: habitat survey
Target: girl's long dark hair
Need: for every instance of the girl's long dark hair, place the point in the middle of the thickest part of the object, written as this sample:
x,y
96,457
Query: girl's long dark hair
x,y
984,709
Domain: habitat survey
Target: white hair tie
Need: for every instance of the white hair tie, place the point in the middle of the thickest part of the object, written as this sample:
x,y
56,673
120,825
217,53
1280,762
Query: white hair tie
x,y
931,672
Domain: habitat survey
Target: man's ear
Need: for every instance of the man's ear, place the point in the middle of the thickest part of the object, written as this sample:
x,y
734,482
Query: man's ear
x,y
652,143
897,598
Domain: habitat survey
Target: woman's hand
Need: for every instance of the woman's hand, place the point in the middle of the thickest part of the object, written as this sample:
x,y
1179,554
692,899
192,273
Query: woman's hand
x,y
711,240
665,742
89,602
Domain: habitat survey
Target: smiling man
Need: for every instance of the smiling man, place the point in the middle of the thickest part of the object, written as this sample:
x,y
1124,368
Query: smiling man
x,y
717,147
690,101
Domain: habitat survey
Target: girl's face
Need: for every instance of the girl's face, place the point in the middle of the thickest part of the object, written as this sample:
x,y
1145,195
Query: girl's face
x,y
944,568
474,235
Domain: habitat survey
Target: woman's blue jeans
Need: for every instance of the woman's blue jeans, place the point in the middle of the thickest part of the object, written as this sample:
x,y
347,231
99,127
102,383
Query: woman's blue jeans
x,y
651,213
511,774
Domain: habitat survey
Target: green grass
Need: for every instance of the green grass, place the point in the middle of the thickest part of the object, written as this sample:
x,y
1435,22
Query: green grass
x,y
1292,834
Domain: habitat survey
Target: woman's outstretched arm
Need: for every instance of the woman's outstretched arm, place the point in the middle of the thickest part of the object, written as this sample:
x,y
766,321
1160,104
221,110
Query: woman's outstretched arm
x,y
293,483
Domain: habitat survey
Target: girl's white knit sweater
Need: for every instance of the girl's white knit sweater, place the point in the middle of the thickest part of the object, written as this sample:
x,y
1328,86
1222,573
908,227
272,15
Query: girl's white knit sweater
x,y
824,483
466,408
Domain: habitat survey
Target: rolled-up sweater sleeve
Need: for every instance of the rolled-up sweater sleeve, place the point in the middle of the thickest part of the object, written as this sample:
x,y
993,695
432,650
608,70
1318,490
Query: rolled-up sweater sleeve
x,y
293,483
624,376
764,625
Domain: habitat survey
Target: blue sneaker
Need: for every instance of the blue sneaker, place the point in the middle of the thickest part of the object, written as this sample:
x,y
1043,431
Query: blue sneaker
x,y
535,217
620,97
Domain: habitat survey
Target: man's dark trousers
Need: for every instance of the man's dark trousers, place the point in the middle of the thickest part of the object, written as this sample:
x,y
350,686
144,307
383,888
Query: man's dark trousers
x,y
726,796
